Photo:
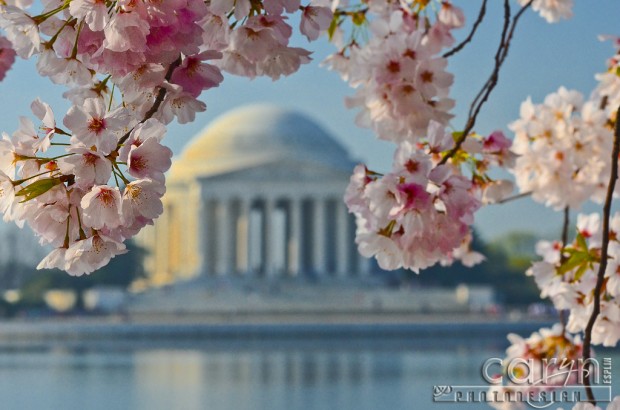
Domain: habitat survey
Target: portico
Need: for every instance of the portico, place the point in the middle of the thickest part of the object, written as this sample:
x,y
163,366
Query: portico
x,y
258,194
262,236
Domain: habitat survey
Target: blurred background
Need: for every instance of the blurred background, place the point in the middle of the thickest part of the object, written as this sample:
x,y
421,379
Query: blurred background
x,y
248,293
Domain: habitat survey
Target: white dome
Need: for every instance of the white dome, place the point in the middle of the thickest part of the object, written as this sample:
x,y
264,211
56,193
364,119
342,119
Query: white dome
x,y
258,134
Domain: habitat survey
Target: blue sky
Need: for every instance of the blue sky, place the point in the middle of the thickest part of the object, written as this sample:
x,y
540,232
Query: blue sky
x,y
542,58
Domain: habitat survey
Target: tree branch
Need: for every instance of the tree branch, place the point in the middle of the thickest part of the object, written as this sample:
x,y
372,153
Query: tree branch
x,y
158,100
564,240
468,39
587,341
512,198
482,97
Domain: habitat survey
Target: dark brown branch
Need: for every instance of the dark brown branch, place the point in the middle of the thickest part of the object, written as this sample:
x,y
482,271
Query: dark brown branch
x,y
161,94
468,39
512,198
482,97
587,340
564,239
497,59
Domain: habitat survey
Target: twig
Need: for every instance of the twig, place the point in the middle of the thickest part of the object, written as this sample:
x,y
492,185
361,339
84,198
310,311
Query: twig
x,y
587,340
497,59
468,39
158,100
482,97
564,240
512,198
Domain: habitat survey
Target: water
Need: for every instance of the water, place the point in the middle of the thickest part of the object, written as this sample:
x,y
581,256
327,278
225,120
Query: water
x,y
288,374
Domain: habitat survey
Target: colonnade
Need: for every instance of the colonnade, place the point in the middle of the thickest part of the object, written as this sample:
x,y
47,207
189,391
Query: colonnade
x,y
278,236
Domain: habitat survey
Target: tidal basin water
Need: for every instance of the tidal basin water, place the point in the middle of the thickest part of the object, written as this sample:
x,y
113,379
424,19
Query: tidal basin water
x,y
284,373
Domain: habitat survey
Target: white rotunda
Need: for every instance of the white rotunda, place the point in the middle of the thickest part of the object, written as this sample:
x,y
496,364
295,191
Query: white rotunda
x,y
259,194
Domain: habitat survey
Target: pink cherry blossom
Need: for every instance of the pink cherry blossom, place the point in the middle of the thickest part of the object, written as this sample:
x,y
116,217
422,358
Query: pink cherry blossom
x,y
314,20
93,125
21,30
149,160
450,15
101,207
552,10
89,167
141,199
7,57
7,195
93,12
86,256
195,76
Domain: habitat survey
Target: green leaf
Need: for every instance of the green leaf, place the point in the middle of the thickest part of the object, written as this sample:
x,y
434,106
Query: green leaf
x,y
38,188
581,241
456,135
358,18
333,26
575,260
582,269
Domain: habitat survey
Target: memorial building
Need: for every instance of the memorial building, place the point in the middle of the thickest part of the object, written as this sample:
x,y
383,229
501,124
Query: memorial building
x,y
258,194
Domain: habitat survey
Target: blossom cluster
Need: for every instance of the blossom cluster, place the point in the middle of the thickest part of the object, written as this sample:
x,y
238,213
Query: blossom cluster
x,y
401,81
66,198
563,150
563,144
547,359
131,68
568,277
608,88
419,213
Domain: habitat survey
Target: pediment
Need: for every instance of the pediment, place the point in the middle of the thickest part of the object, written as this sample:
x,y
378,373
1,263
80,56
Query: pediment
x,y
283,171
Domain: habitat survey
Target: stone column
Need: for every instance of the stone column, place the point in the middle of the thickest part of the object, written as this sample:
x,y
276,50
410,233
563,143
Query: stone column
x,y
243,237
223,239
363,265
205,242
268,248
294,239
318,226
343,241
208,246
163,245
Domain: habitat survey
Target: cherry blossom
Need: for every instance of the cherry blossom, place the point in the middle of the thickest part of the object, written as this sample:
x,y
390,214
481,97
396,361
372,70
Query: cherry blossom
x,y
562,150
129,68
402,85
552,10
548,359
101,207
570,282
92,125
416,215
89,167
7,57
88,255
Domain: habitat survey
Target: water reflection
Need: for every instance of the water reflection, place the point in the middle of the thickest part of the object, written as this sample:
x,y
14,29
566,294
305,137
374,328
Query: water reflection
x,y
273,376
297,379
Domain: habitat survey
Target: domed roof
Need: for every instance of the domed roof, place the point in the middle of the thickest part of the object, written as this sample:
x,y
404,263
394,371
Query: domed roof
x,y
255,135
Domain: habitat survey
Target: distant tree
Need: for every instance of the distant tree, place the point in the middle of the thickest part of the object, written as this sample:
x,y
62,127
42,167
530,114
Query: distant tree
x,y
121,272
503,269
517,243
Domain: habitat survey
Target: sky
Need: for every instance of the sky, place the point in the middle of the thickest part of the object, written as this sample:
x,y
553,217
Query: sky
x,y
542,58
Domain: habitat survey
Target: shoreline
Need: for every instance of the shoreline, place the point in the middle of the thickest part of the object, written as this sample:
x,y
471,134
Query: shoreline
x,y
90,331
